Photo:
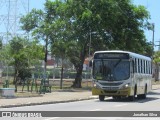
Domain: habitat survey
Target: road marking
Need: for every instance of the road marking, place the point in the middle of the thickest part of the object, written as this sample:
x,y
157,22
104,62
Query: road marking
x,y
52,118
120,105
96,110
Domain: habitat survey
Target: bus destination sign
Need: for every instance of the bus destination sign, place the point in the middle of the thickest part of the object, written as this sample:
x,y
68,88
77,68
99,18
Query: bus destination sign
x,y
111,56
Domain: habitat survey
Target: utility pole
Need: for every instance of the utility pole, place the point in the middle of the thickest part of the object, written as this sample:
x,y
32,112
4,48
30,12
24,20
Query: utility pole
x,y
153,26
157,65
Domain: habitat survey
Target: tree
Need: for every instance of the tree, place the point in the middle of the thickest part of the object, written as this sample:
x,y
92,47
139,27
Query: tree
x,y
59,50
1,43
22,54
111,24
37,22
5,57
156,61
43,25
156,57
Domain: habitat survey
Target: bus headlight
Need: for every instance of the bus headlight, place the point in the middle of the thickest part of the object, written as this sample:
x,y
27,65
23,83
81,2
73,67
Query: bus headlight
x,y
95,85
125,86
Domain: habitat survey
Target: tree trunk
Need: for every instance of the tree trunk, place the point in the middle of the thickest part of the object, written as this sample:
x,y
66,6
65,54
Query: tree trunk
x,y
16,85
61,81
78,79
46,54
15,79
79,69
156,72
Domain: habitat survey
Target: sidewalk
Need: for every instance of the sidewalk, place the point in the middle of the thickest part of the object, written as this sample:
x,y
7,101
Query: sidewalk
x,y
58,96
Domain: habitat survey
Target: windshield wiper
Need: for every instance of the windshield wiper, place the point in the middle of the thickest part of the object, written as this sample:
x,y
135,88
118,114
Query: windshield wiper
x,y
117,63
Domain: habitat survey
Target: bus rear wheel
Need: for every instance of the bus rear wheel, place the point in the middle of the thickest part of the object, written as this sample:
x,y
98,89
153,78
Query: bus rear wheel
x,y
143,96
101,97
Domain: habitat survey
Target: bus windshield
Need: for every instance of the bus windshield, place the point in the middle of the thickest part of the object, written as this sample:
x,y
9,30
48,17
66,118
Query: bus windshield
x,y
111,69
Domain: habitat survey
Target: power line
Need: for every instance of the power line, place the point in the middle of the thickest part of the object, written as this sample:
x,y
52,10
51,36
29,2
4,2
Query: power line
x,y
10,13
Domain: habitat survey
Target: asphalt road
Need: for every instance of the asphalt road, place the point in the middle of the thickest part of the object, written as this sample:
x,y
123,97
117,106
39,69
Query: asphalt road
x,y
151,103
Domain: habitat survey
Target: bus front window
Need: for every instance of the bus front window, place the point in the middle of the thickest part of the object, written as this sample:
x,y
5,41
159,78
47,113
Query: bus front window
x,y
111,69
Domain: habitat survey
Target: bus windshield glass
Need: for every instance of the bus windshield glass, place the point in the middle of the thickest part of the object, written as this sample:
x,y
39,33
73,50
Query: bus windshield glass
x,y
111,69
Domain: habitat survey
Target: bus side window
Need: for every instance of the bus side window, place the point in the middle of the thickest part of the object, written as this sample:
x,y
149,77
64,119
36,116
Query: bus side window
x,y
147,67
150,67
144,67
133,66
142,70
139,66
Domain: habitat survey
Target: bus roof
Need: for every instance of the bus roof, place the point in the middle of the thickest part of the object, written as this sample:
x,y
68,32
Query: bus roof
x,y
132,54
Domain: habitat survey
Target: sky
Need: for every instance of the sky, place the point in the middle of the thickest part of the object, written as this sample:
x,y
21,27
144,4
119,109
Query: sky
x,y
151,5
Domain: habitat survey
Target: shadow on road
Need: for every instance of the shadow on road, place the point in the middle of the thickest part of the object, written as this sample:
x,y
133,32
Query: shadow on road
x,y
153,93
151,96
127,100
147,99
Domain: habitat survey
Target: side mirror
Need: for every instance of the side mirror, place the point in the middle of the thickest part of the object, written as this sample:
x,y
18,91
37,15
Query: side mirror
x,y
90,63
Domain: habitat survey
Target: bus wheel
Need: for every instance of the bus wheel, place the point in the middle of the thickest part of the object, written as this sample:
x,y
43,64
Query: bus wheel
x,y
101,97
132,98
145,93
116,97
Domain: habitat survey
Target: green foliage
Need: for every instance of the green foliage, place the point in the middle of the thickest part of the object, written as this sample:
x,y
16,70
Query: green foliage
x,y
59,48
25,52
70,25
32,20
156,57
1,44
22,54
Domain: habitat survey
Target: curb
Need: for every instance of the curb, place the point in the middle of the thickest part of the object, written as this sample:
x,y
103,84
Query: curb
x,y
49,102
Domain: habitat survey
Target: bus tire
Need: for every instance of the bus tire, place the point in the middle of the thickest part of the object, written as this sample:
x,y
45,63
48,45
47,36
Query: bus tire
x,y
101,97
132,98
116,97
145,93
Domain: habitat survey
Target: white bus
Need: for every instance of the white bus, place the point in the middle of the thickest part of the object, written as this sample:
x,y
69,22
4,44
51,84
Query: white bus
x,y
121,74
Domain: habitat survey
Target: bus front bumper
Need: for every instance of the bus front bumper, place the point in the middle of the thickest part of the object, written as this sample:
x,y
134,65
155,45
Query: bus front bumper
x,y
120,92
